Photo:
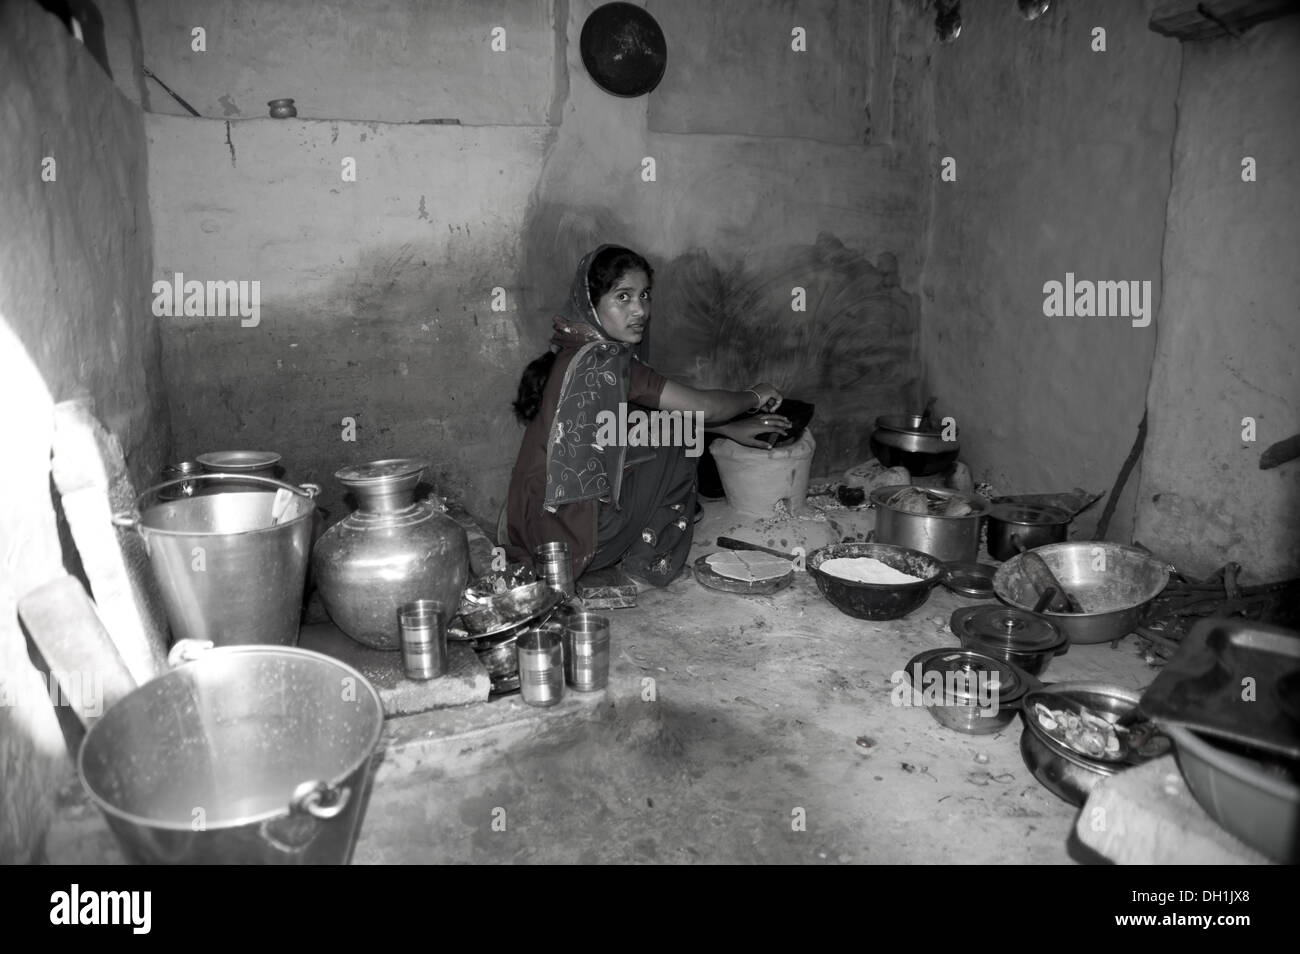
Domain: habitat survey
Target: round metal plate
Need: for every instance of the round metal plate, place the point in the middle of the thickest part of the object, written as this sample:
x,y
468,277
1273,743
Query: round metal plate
x,y
238,462
623,49
974,580
1005,627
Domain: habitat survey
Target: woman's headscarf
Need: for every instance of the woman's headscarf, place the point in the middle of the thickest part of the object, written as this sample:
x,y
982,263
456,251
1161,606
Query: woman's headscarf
x,y
578,467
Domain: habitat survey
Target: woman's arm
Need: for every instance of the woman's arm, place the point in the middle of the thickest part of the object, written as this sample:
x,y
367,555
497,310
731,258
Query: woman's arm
x,y
718,405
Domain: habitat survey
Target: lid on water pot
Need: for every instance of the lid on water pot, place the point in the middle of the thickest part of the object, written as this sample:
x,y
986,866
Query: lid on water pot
x,y
378,470
1001,628
390,473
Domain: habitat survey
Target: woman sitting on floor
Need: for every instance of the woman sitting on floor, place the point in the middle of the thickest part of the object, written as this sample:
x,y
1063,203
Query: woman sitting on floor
x,y
609,501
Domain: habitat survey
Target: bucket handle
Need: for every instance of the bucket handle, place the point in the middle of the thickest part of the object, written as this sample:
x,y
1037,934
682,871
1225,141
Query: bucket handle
x,y
130,519
319,799
188,650
293,833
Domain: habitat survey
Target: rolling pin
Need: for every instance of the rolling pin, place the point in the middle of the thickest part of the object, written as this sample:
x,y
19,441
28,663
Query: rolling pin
x,y
1043,579
728,543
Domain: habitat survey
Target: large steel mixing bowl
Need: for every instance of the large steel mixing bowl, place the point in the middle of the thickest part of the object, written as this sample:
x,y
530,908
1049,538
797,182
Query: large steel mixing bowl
x,y
1115,584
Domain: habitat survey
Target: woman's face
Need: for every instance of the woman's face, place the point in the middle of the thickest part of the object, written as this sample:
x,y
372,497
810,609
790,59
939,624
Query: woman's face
x,y
624,310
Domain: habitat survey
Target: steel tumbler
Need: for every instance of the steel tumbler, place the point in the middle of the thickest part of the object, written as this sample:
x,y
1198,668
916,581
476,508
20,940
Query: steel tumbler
x,y
423,625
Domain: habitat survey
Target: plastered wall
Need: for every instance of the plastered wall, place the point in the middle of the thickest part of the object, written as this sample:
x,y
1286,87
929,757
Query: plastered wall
x,y
378,301
75,250
1062,165
1228,344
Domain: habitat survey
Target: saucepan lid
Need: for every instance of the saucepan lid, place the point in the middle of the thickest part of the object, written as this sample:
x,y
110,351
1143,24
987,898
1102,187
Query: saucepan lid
x,y
964,676
1002,628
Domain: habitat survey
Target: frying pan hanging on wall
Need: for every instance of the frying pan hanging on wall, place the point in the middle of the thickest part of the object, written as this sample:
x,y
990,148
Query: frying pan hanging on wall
x,y
623,49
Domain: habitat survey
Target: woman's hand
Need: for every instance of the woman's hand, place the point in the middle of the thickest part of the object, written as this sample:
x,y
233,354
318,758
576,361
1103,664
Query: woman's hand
x,y
747,430
718,405
769,398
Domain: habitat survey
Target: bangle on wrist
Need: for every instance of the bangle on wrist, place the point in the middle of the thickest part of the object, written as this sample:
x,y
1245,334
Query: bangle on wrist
x,y
758,397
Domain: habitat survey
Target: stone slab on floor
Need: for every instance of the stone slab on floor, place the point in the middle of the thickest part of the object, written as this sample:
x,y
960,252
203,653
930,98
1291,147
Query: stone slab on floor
x,y
1147,816
466,681
608,588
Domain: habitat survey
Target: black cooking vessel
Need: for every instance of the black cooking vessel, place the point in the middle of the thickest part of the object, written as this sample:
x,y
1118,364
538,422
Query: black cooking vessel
x,y
876,601
1017,527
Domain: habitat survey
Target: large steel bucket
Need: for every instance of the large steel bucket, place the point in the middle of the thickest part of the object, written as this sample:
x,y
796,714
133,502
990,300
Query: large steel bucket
x,y
232,566
246,755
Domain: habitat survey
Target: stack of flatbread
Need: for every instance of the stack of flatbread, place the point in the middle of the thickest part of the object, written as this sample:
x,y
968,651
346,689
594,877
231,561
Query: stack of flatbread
x,y
748,566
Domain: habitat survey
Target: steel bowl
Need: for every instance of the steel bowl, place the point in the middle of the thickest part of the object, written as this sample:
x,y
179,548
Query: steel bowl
x,y
498,655
1116,584
502,609
876,601
1253,795
1064,772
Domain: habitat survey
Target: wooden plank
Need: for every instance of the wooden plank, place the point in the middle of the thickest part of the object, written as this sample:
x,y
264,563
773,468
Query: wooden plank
x,y
1206,19
61,620
90,473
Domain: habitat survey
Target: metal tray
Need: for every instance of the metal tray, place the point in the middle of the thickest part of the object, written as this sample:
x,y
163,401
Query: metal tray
x,y
706,576
1204,686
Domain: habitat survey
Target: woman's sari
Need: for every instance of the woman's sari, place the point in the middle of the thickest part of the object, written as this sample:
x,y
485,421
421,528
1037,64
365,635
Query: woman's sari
x,y
610,505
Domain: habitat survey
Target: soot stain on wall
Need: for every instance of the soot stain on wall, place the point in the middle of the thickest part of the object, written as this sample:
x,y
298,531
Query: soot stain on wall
x,y
851,351
727,321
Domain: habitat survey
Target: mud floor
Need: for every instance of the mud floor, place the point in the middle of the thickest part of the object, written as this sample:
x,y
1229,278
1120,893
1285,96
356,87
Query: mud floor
x,y
735,729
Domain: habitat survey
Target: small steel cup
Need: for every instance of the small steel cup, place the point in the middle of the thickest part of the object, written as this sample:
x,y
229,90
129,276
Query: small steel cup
x,y
541,665
554,564
586,652
423,624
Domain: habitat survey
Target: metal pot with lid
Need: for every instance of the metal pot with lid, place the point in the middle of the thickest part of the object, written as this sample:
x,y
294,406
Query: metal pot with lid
x,y
968,691
393,549
1014,636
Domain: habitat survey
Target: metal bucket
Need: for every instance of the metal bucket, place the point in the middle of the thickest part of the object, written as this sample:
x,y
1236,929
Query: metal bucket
x,y
231,567
246,755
